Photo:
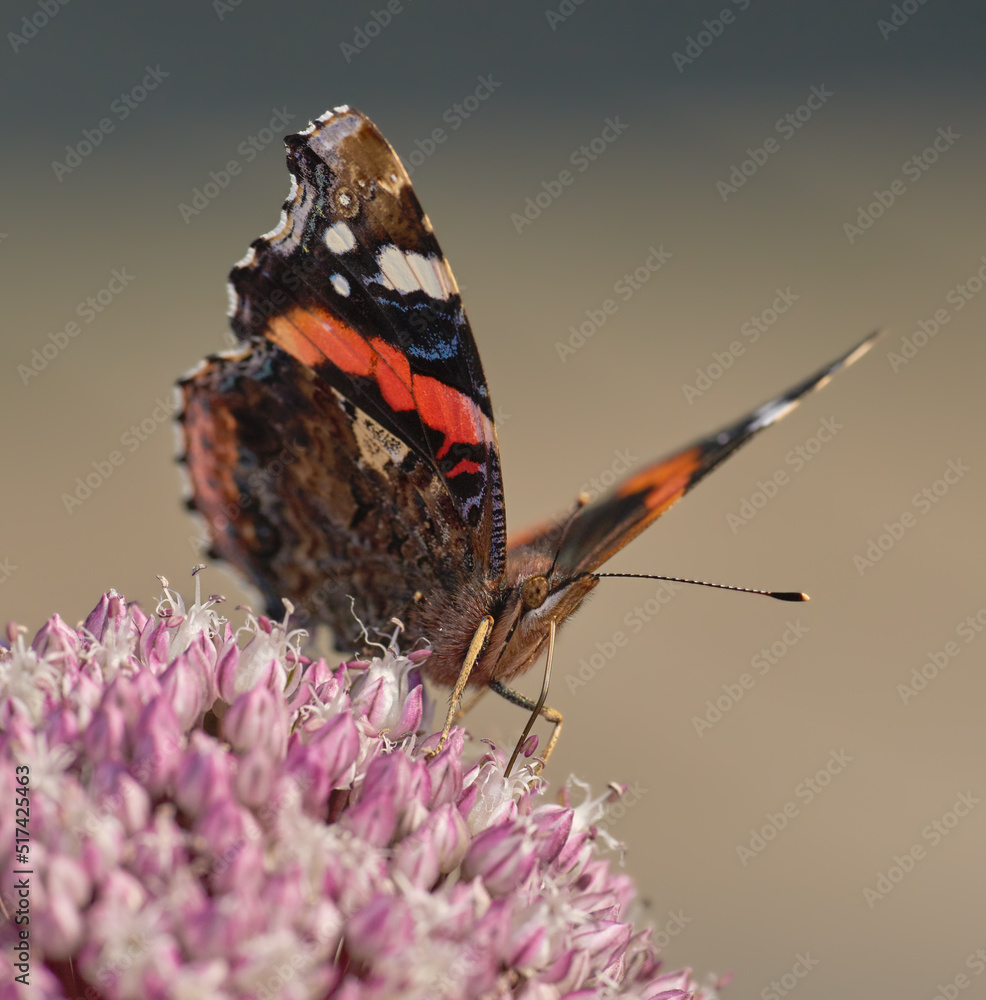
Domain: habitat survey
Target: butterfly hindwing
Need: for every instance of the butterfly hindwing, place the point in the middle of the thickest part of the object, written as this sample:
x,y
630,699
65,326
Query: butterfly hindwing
x,y
309,497
601,528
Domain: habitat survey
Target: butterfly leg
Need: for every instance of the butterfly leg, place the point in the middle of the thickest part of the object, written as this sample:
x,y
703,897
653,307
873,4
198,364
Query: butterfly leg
x,y
536,708
472,655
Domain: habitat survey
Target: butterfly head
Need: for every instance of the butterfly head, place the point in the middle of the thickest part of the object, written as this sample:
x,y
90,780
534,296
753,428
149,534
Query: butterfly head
x,y
531,596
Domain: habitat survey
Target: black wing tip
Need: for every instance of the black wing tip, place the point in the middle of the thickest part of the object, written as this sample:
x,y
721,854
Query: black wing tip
x,y
855,353
850,357
780,406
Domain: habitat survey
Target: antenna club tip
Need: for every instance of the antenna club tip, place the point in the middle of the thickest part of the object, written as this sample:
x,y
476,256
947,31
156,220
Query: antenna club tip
x,y
790,595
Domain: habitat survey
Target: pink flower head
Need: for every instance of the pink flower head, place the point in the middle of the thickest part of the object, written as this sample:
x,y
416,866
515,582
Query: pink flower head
x,y
214,815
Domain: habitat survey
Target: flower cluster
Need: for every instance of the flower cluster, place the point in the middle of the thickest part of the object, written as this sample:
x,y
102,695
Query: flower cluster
x,y
213,815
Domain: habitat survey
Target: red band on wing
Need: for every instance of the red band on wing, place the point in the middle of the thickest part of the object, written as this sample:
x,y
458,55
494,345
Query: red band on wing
x,y
463,465
313,335
449,411
393,376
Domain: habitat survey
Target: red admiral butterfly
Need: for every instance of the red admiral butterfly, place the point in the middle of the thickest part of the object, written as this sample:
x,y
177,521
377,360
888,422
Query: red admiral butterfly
x,y
346,446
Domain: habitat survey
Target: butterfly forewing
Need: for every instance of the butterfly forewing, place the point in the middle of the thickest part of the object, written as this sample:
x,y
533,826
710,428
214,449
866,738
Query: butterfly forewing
x,y
358,381
362,294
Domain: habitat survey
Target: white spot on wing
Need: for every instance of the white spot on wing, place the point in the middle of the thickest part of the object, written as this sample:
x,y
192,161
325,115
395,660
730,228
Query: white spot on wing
x,y
339,238
340,284
413,272
394,268
432,274
770,412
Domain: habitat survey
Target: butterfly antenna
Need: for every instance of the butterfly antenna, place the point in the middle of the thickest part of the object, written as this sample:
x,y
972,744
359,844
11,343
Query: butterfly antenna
x,y
778,595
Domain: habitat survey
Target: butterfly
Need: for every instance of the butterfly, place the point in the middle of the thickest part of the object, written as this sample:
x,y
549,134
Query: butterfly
x,y
344,454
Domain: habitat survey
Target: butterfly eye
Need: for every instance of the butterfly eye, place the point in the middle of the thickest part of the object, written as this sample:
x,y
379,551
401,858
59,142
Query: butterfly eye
x,y
534,591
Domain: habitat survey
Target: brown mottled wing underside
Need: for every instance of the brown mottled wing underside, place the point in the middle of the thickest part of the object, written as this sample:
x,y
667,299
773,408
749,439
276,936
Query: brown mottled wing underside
x,y
347,446
310,498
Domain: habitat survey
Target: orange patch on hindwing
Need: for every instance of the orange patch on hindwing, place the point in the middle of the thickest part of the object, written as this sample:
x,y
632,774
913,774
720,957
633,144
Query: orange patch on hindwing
x,y
666,481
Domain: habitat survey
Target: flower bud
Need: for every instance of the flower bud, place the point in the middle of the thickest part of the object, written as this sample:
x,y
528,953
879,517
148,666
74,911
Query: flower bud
x,y
58,644
552,825
104,736
373,819
446,771
254,778
384,926
203,777
157,745
257,718
182,686
568,972
502,856
416,857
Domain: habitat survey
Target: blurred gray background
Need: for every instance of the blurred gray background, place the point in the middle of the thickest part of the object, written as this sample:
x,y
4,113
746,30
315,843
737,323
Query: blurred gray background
x,y
895,77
